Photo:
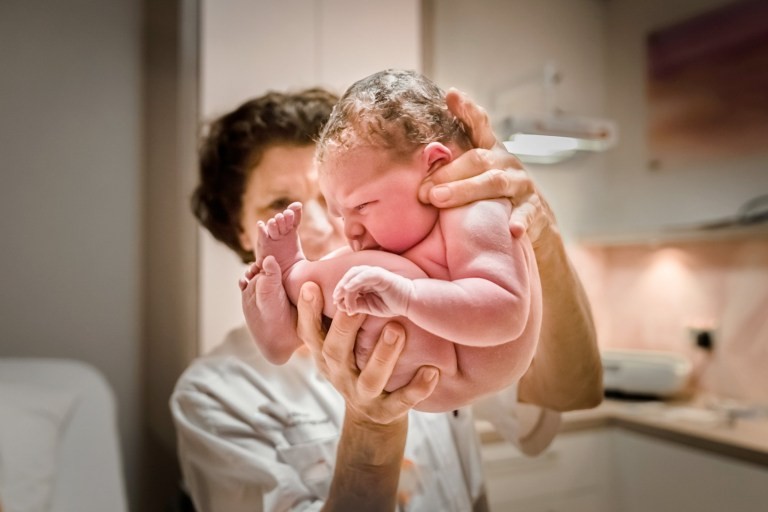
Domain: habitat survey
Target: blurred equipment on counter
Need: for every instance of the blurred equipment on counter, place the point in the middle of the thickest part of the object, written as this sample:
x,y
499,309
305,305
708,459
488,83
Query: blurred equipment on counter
x,y
644,373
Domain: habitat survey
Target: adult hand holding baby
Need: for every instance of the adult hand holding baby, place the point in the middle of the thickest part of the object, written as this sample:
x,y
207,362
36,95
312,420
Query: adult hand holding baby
x,y
487,172
363,390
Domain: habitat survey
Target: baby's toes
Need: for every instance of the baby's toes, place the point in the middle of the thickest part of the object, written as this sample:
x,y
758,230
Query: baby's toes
x,y
287,224
272,226
296,208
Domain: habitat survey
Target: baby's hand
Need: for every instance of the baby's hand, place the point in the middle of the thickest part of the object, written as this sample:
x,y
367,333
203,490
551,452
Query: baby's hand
x,y
373,291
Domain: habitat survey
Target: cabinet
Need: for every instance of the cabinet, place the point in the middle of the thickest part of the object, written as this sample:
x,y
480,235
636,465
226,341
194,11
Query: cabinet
x,y
571,475
663,476
617,470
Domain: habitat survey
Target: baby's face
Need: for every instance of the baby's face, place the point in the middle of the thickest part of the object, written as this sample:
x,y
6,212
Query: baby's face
x,y
377,198
286,174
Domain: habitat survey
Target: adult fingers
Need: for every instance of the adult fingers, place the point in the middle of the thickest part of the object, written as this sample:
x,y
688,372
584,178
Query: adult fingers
x,y
378,368
473,117
471,163
339,343
494,184
400,401
527,218
520,219
309,324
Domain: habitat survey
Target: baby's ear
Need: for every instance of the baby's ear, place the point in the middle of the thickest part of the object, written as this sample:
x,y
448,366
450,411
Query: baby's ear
x,y
435,155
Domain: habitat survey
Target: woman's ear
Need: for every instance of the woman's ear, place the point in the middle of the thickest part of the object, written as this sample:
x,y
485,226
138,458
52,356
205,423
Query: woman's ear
x,y
435,155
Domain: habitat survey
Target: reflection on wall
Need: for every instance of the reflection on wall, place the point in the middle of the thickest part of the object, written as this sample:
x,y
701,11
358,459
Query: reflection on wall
x,y
648,297
707,78
643,197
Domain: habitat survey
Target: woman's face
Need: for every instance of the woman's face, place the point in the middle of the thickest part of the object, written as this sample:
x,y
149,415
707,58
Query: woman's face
x,y
286,174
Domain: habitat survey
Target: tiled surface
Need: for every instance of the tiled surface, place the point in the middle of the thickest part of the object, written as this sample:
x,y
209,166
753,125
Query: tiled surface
x,y
648,297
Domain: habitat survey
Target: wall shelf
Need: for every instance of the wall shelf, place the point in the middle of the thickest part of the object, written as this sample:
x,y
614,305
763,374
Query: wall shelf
x,y
675,235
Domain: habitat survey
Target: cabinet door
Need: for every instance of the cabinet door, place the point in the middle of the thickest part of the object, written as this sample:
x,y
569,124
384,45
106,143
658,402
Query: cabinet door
x,y
659,475
573,470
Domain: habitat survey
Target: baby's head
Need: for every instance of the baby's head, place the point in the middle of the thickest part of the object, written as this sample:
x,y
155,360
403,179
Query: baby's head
x,y
395,110
387,133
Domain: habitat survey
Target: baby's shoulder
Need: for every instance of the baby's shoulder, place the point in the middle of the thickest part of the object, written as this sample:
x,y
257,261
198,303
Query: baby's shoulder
x,y
476,215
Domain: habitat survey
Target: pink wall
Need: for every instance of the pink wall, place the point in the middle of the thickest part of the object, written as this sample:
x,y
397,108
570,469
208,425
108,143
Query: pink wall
x,y
648,297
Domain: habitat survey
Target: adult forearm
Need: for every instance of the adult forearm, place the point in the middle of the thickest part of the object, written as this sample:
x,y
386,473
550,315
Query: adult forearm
x,y
368,464
566,372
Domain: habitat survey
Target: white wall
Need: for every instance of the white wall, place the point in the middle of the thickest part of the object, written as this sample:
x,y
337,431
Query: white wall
x,y
484,47
640,196
599,46
70,218
249,47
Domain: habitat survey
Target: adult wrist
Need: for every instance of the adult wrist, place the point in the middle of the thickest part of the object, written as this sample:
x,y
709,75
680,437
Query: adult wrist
x,y
362,421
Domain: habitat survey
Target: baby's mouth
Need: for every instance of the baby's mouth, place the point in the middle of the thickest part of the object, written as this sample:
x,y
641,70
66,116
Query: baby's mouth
x,y
367,246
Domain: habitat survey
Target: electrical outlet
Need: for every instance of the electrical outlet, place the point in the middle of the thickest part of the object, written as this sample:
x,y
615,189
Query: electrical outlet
x,y
702,338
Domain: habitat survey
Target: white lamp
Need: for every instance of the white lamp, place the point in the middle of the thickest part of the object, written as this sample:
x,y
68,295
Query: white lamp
x,y
554,136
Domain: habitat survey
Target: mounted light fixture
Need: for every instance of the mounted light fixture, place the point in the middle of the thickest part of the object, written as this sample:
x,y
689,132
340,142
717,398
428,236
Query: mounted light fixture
x,y
553,136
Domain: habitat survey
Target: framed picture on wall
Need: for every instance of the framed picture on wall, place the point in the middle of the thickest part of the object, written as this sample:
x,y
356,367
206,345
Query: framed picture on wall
x,y
707,86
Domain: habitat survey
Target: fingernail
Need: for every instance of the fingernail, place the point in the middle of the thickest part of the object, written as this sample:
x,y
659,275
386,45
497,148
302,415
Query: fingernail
x,y
390,336
307,294
441,193
430,374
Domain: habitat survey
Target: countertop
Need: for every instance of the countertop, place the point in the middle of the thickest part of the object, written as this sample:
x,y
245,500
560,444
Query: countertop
x,y
740,432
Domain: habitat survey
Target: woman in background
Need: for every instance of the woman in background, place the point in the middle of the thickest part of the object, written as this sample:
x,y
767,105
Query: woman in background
x,y
317,433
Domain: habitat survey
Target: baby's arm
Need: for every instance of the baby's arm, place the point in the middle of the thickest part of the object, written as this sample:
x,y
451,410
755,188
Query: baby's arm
x,y
329,271
487,300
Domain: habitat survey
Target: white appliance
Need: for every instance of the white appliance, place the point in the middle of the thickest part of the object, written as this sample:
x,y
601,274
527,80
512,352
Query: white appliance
x,y
645,372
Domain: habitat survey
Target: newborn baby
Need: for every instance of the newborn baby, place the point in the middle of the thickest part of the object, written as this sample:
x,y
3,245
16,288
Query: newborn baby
x,y
466,291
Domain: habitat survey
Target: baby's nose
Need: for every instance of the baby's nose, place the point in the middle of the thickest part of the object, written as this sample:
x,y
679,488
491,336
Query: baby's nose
x,y
353,230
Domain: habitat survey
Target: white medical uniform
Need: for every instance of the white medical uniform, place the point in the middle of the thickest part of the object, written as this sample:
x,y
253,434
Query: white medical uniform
x,y
255,436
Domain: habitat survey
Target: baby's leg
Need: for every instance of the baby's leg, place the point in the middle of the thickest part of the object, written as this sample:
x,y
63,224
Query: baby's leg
x,y
264,294
279,237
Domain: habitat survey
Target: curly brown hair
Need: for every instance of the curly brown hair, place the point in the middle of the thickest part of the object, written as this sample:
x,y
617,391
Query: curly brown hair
x,y
236,142
394,109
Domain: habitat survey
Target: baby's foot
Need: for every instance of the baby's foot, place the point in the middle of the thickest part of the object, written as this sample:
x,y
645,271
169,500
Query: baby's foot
x,y
267,311
279,237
